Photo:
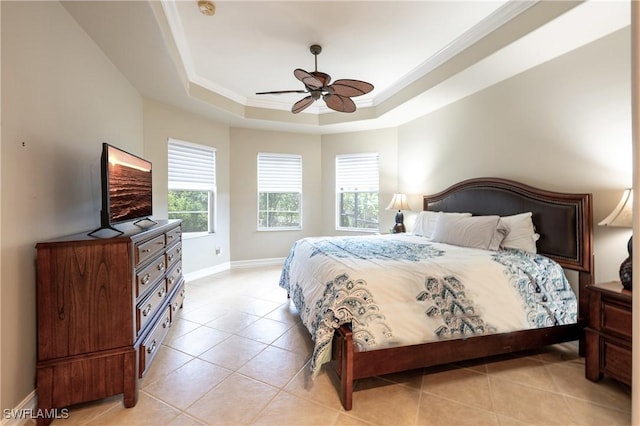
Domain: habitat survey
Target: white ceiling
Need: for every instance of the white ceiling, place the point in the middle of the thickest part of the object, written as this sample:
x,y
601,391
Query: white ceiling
x,y
419,55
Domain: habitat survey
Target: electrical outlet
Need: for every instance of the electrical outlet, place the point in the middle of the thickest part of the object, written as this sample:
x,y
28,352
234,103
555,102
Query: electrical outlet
x,y
218,251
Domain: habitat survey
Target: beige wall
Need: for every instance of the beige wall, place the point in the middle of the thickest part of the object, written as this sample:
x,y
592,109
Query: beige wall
x,y
564,125
61,99
247,242
162,122
384,142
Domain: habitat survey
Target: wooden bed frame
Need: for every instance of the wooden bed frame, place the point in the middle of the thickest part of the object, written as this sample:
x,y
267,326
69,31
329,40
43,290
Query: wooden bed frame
x,y
564,222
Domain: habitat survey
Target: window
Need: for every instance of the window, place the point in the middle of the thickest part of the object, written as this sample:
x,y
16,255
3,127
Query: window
x,y
357,192
192,185
279,191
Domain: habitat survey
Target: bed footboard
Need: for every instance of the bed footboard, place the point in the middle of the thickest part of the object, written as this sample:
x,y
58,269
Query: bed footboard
x,y
351,365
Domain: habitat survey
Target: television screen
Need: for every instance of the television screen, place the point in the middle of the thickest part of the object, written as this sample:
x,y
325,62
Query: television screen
x,y
128,185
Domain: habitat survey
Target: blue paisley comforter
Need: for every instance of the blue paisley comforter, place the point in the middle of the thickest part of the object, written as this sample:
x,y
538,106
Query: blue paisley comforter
x,y
399,290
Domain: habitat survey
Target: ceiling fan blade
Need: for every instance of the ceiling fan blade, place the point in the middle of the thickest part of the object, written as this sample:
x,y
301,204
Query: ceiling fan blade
x,y
351,88
278,92
307,79
339,103
302,104
323,77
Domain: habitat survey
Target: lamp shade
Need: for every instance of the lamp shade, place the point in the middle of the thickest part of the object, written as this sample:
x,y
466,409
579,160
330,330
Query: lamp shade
x,y
399,202
622,214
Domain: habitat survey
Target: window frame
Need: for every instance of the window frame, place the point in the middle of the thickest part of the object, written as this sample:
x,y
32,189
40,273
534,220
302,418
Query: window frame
x,y
369,184
191,179
286,180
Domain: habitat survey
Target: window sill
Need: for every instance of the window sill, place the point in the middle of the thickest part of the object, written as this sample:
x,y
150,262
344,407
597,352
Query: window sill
x,y
278,229
191,235
363,231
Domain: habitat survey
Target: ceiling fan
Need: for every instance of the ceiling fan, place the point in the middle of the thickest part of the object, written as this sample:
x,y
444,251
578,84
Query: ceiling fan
x,y
337,96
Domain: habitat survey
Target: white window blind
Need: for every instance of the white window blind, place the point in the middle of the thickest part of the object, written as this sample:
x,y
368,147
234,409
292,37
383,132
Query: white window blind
x,y
191,166
357,173
279,173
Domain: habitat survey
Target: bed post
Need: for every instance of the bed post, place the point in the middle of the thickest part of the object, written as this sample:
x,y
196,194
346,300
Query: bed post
x,y
585,279
587,275
344,356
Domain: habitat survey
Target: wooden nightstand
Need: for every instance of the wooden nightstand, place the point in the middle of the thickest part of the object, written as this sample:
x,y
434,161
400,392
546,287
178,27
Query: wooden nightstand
x,y
608,336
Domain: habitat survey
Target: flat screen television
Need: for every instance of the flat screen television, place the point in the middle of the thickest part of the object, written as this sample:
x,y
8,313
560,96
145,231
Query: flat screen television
x,y
126,188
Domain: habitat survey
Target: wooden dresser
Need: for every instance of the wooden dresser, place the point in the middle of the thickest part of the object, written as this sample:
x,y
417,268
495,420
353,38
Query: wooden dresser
x,y
608,336
103,308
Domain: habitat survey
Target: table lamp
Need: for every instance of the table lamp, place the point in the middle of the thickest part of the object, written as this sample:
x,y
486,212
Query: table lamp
x,y
399,202
622,215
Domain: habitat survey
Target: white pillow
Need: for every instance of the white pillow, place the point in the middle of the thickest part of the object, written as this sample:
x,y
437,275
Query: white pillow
x,y
426,222
521,233
481,232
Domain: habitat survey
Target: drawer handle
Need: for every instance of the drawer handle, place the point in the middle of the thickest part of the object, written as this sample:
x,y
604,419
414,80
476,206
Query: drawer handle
x,y
171,256
162,293
146,310
175,306
166,323
146,279
146,250
169,237
179,270
152,348
182,293
161,266
171,279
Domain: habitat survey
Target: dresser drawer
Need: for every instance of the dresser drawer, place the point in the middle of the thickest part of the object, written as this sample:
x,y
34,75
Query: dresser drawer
x,y
148,249
176,302
148,276
617,361
173,276
174,235
146,309
152,342
616,319
174,255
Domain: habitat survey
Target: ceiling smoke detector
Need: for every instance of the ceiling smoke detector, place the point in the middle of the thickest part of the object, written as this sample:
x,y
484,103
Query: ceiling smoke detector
x,y
207,7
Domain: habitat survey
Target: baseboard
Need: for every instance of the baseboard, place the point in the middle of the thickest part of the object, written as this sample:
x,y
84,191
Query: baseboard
x,y
25,410
240,264
201,273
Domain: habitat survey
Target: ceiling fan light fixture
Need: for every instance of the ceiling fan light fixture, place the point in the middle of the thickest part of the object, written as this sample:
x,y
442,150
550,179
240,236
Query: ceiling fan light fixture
x,y
207,7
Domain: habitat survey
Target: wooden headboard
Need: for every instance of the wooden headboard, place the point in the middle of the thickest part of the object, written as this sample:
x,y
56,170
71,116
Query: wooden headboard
x,y
563,220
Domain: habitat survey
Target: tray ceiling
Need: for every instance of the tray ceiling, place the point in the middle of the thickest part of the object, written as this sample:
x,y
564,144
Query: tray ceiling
x,y
419,55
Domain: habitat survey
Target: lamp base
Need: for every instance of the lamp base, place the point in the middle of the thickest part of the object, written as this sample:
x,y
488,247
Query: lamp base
x,y
626,269
399,226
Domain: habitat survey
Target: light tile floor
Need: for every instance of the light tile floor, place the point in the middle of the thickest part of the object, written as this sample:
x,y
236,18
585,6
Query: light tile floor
x,y
238,355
